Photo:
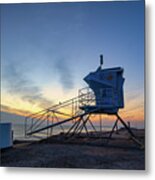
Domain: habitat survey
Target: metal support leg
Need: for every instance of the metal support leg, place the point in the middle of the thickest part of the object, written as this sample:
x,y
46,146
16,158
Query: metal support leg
x,y
83,125
93,127
130,132
73,126
77,126
115,125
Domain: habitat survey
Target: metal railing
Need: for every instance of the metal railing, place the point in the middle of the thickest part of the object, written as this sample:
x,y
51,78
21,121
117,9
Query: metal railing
x,y
86,97
58,113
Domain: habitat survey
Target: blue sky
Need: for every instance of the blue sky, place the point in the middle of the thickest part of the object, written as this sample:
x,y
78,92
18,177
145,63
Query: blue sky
x,y
51,46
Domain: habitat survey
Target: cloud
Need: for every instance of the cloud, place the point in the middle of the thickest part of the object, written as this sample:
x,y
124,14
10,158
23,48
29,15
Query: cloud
x,y
17,83
65,74
37,99
8,109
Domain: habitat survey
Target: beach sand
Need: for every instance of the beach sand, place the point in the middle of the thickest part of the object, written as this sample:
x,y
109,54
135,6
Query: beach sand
x,y
120,153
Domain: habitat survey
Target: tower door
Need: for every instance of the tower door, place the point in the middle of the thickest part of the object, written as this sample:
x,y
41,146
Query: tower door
x,y
105,97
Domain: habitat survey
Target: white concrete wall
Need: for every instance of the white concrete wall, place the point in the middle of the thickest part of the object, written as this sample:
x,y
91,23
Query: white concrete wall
x,y
6,139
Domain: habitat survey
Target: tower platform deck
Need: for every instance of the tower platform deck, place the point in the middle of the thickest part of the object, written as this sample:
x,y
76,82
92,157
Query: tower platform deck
x,y
99,109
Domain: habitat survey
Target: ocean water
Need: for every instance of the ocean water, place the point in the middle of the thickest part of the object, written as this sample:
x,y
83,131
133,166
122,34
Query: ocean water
x,y
18,127
19,132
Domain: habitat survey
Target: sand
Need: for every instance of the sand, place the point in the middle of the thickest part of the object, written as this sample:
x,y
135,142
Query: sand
x,y
120,153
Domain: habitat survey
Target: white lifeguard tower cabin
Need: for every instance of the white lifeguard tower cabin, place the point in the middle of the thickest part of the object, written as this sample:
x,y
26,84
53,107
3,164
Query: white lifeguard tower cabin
x,y
107,86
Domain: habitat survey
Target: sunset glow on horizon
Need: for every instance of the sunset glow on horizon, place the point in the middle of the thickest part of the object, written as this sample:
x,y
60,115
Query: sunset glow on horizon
x,y
47,50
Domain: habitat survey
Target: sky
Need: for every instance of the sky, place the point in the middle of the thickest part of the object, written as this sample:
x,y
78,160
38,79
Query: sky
x,y
47,49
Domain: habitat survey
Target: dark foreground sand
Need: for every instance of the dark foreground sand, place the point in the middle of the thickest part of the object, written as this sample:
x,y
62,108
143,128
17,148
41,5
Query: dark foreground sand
x,y
119,154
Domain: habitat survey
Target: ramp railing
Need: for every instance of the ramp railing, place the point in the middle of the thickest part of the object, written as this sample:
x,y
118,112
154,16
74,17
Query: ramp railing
x,y
38,124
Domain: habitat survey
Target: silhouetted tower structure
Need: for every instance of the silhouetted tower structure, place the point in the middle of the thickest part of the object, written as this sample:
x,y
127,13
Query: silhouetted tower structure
x,y
104,95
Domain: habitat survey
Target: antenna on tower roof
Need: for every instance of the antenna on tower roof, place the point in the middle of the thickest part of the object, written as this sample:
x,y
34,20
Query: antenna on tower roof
x,y
101,61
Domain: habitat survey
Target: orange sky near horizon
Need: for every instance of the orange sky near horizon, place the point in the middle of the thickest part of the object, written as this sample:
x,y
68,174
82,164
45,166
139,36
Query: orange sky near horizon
x,y
133,110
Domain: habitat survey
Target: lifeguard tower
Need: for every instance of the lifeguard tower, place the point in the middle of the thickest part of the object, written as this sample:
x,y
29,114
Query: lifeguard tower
x,y
107,86
104,95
